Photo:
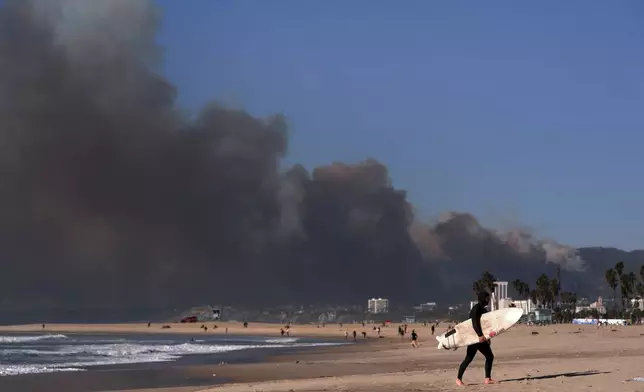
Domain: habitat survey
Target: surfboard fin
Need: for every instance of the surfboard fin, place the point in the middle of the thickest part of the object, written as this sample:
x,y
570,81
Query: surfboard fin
x,y
441,344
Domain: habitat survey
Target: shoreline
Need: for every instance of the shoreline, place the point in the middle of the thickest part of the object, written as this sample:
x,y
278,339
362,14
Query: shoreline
x,y
332,331
189,371
567,357
274,364
571,358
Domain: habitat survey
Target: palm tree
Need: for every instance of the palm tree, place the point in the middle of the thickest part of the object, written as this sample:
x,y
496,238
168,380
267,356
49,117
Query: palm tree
x,y
611,280
485,283
639,288
619,268
627,287
543,289
488,281
570,300
534,296
526,290
518,286
573,301
554,291
521,287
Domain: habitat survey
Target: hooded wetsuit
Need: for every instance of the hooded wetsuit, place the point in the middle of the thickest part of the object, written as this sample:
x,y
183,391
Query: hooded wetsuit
x,y
475,314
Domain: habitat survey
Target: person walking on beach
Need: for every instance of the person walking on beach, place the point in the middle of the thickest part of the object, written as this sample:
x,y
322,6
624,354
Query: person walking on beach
x,y
483,345
433,330
414,338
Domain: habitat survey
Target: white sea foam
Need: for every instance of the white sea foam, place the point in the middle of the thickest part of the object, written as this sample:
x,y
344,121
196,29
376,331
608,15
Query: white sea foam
x,y
26,339
87,355
281,340
15,370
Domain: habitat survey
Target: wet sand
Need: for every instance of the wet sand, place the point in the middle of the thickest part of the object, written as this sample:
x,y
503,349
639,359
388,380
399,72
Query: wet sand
x,y
564,357
233,328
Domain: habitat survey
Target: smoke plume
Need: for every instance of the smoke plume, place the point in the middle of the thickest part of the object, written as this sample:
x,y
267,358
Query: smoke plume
x,y
110,197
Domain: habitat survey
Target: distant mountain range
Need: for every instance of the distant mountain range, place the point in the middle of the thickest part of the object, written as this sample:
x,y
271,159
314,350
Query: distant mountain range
x,y
598,260
458,275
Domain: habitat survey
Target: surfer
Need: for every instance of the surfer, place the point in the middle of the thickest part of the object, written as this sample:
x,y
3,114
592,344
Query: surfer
x,y
483,345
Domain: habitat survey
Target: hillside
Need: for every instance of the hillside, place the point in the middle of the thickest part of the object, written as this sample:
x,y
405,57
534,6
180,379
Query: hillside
x,y
456,276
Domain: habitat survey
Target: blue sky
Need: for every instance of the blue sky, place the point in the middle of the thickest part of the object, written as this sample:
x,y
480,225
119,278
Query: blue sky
x,y
520,113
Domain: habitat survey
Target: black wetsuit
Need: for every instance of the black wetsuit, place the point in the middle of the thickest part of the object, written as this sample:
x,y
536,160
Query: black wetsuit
x,y
485,349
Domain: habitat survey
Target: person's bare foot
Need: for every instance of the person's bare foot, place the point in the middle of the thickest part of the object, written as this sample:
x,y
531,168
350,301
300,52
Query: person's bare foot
x,y
460,383
489,381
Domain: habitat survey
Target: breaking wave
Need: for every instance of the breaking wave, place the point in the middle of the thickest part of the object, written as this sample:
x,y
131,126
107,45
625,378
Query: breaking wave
x,y
26,339
78,357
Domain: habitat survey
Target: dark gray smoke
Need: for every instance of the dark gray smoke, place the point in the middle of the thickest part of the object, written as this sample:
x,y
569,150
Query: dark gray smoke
x,y
109,197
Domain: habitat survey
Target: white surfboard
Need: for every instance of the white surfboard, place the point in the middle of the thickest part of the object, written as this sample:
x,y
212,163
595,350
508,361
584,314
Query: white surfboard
x,y
492,324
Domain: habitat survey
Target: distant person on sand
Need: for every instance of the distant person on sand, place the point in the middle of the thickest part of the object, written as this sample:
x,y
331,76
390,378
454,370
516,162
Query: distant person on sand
x,y
483,345
364,334
433,330
414,338
282,331
149,323
354,334
346,335
43,326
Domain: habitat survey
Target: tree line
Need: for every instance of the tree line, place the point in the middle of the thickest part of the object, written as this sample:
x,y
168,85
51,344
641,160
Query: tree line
x,y
630,287
546,293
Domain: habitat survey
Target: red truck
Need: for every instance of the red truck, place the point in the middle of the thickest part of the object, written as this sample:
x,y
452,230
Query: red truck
x,y
189,319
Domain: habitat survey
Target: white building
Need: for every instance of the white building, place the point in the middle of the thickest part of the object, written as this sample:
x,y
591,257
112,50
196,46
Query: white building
x,y
427,307
525,304
378,305
500,299
501,290
599,305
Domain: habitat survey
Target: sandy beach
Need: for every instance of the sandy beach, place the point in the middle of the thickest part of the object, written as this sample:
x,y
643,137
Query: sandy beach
x,y
233,328
551,358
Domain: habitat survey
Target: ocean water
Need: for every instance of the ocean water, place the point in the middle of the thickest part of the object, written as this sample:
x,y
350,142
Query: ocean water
x,y
47,353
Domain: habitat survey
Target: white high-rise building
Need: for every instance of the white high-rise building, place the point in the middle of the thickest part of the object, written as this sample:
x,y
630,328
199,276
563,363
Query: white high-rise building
x,y
499,298
378,305
501,290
